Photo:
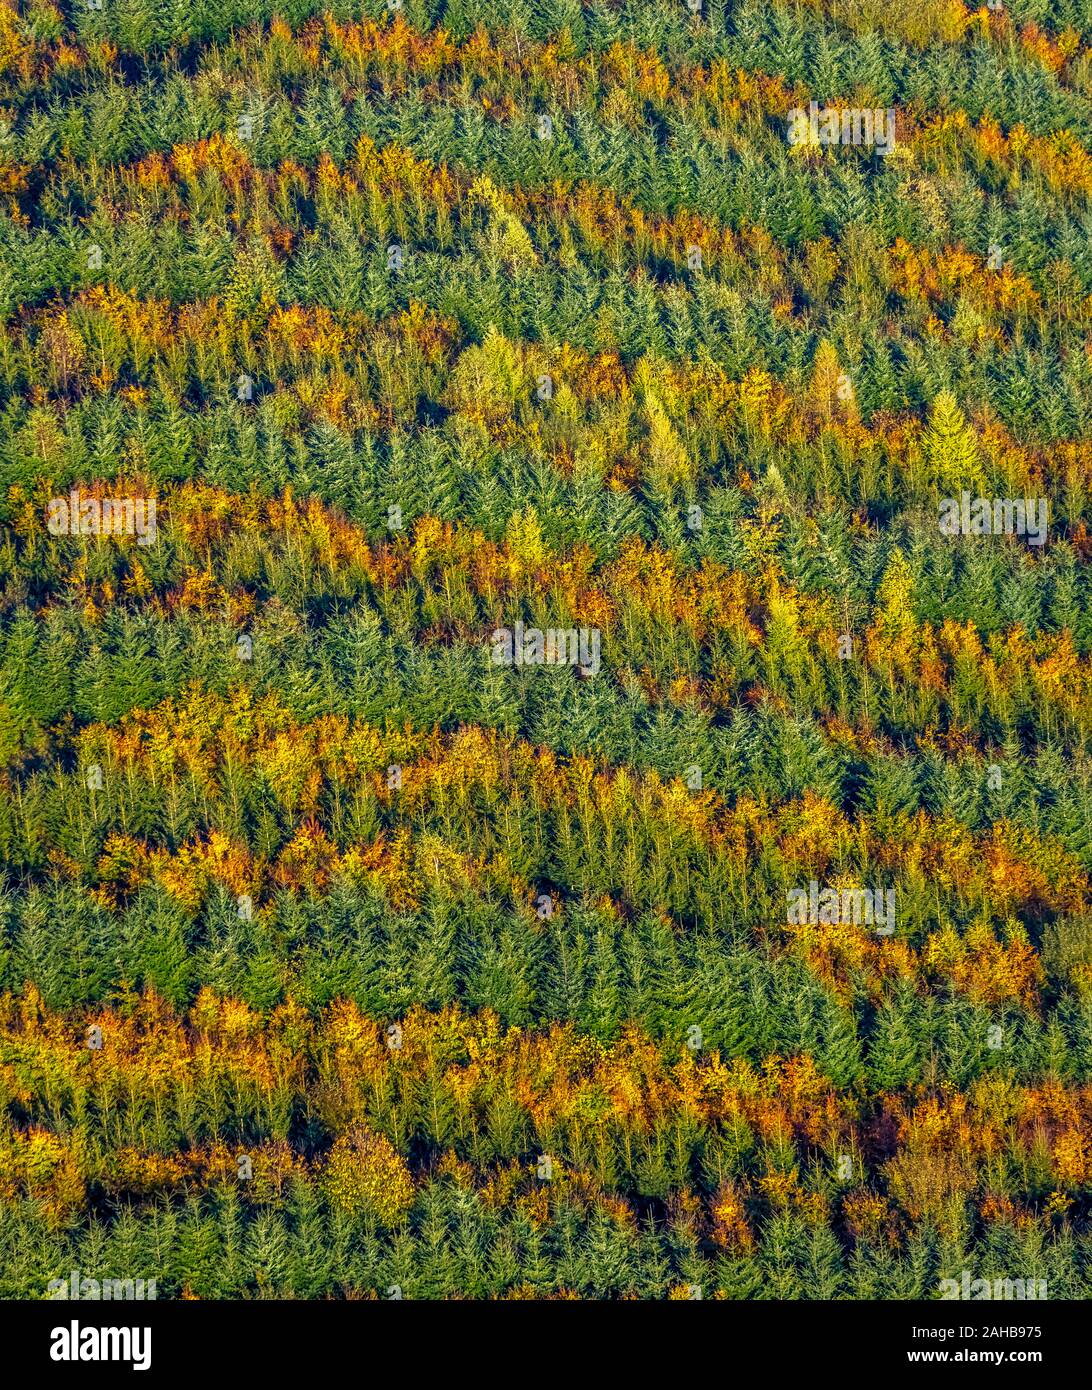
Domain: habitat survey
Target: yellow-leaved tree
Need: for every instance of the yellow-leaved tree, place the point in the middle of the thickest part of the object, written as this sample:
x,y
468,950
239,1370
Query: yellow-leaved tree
x,y
951,447
894,628
487,381
365,1175
831,392
504,242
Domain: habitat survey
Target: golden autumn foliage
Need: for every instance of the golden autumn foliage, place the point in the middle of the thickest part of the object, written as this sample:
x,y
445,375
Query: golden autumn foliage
x,y
365,1175
346,954
566,1086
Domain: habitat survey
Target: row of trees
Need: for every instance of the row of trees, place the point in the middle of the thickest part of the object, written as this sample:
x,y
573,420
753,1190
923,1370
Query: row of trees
x,y
879,648
560,1158
876,1021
